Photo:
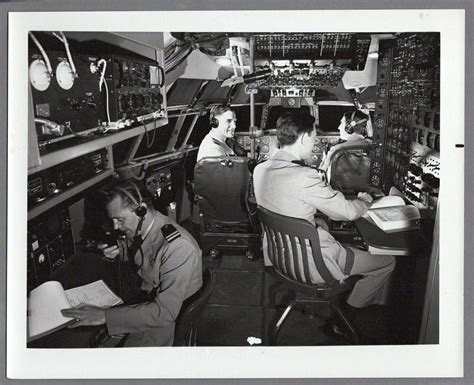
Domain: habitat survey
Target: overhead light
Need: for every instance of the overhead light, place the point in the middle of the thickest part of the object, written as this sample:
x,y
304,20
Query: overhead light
x,y
373,55
224,61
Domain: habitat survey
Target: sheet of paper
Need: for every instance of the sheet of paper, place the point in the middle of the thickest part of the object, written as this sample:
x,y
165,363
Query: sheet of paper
x,y
96,293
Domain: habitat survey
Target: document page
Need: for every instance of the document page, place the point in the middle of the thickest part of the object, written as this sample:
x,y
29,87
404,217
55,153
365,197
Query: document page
x,y
96,293
44,305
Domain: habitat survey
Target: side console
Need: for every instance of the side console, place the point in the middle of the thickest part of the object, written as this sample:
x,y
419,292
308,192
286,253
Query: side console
x,y
50,244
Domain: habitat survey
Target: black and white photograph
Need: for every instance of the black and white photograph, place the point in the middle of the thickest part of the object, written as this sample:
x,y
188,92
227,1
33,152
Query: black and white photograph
x,y
245,190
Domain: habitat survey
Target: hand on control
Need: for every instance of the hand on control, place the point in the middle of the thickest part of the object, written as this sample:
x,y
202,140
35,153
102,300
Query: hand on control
x,y
110,252
365,197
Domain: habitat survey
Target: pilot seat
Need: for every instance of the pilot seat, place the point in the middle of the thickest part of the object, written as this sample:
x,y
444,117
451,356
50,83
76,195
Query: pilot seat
x,y
224,194
349,170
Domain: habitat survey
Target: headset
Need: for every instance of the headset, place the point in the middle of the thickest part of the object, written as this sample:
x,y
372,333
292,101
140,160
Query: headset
x,y
350,126
140,210
213,122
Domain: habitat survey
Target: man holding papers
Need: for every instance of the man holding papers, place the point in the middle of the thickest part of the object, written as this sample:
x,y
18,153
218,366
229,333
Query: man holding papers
x,y
285,187
164,256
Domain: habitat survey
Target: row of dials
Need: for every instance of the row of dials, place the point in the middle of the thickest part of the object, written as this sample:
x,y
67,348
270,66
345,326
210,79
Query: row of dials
x,y
329,78
40,77
133,74
140,99
417,116
268,144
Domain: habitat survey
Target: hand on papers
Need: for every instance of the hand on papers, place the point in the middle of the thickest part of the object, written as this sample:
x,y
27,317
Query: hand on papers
x,y
85,315
365,197
110,252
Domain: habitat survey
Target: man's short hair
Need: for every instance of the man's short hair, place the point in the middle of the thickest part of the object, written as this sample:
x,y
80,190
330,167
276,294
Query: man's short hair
x,y
117,191
358,116
218,110
291,125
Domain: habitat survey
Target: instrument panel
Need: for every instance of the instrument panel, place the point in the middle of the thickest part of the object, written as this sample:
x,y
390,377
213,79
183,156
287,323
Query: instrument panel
x,y
268,144
407,118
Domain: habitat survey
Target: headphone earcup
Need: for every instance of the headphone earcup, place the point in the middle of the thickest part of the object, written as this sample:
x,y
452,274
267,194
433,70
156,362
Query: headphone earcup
x,y
141,210
349,128
214,123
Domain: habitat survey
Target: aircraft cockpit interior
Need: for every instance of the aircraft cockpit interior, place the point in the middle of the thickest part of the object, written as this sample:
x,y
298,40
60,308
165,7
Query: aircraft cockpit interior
x,y
273,171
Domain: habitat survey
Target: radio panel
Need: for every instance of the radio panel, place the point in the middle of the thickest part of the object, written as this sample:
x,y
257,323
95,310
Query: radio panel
x,y
57,179
81,92
136,88
50,244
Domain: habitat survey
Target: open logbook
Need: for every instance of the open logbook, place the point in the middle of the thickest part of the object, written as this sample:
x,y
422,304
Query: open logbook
x,y
391,214
46,301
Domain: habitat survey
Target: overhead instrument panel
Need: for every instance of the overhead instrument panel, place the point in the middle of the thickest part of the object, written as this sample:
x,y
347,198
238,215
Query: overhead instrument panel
x,y
314,46
302,62
407,119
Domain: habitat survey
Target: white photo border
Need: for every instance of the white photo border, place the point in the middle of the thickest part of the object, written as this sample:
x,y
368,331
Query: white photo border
x,y
442,360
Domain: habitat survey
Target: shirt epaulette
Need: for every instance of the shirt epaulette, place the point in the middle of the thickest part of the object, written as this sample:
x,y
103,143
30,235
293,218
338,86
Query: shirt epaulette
x,y
170,232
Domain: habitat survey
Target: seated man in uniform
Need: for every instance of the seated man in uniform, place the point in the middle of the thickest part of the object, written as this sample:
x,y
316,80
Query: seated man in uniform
x,y
284,186
222,122
355,129
164,261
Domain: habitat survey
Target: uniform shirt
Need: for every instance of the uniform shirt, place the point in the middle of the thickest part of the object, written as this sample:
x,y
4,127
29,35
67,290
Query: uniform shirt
x,y
175,269
211,146
289,189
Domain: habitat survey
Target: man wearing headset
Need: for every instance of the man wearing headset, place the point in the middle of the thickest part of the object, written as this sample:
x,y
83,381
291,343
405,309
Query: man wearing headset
x,y
284,186
166,258
222,121
354,130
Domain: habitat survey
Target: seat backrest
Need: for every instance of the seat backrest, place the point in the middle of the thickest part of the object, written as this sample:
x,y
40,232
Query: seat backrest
x,y
287,241
350,168
190,315
221,188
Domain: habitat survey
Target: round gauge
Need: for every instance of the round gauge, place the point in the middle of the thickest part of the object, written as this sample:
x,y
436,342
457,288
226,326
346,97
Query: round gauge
x,y
247,140
375,180
379,123
39,76
64,75
316,142
291,102
266,140
382,93
265,148
376,167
